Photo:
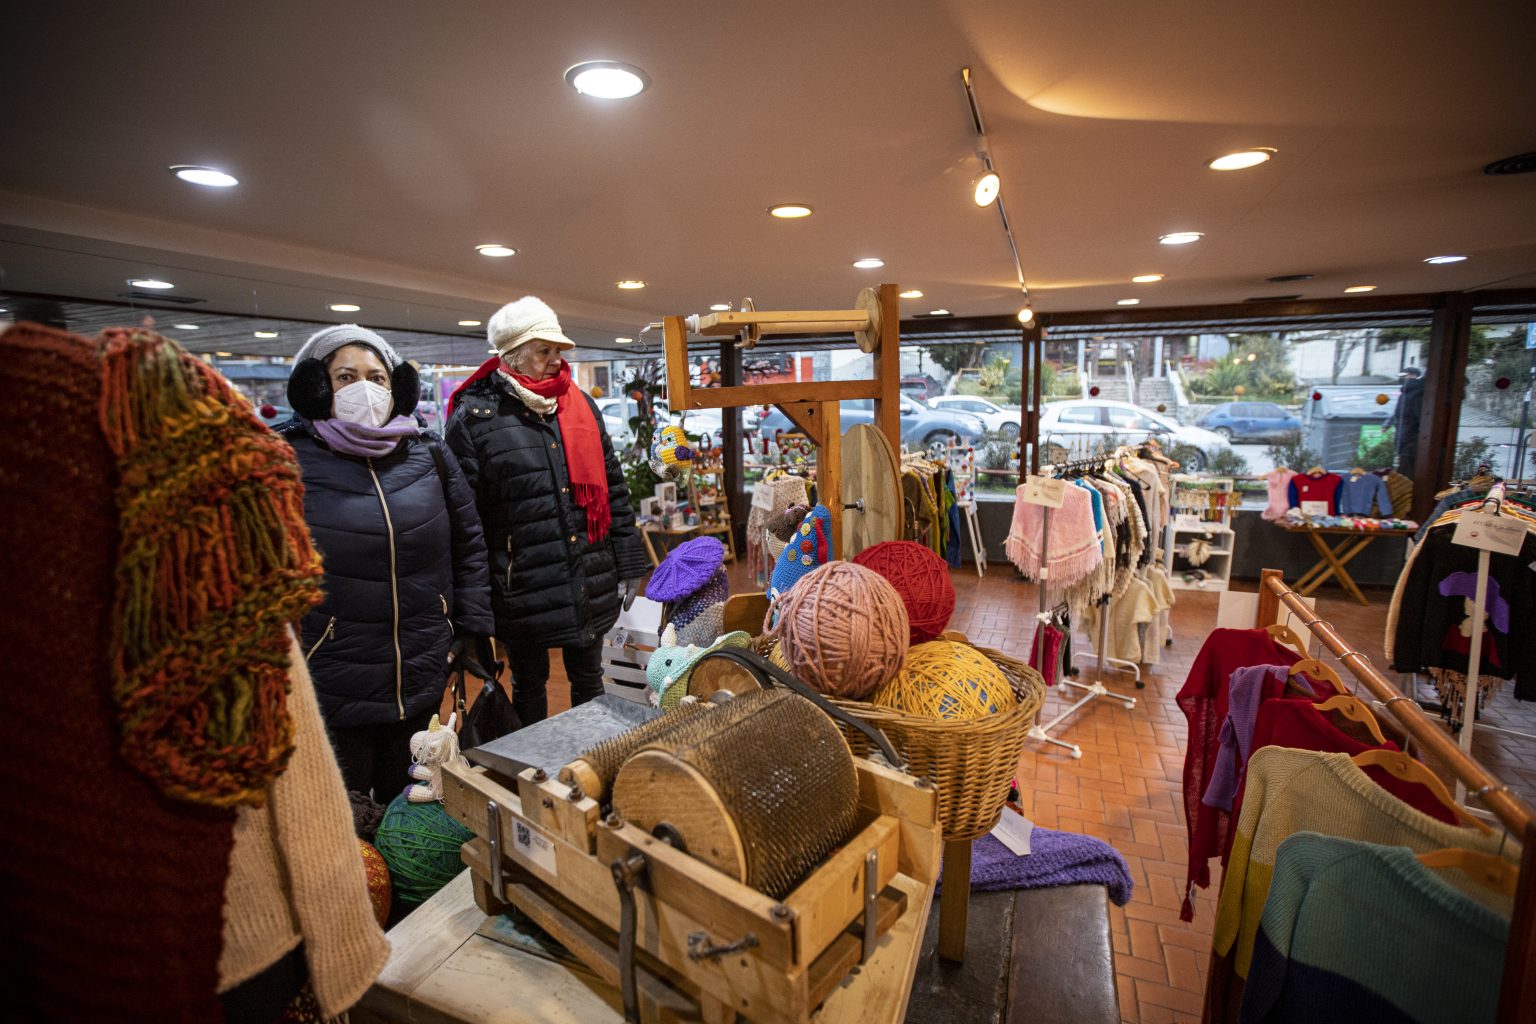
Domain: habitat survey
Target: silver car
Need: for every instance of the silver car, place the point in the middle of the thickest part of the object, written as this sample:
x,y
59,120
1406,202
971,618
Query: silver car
x,y
1079,427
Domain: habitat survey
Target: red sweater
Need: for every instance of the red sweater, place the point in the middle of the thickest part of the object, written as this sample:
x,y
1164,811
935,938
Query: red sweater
x,y
1203,700
1305,487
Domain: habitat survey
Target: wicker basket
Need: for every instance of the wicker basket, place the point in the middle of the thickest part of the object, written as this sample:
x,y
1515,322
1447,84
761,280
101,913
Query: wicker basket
x,y
972,761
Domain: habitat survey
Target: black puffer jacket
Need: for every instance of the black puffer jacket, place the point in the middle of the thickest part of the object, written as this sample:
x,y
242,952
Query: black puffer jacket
x,y
551,586
405,569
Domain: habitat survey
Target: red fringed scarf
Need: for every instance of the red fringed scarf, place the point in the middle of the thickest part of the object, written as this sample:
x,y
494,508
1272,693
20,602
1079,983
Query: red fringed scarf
x,y
583,441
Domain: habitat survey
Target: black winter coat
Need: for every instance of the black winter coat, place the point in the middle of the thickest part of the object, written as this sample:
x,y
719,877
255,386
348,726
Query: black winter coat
x,y
405,569
550,586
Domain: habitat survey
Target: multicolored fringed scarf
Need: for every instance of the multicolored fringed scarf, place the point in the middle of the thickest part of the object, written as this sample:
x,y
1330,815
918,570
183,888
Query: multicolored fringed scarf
x,y
214,561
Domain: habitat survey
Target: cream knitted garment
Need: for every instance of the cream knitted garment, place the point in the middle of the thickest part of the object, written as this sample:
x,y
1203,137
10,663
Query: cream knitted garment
x,y
537,403
296,871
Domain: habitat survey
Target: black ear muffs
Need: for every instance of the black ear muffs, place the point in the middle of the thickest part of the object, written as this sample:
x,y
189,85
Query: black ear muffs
x,y
309,390
405,385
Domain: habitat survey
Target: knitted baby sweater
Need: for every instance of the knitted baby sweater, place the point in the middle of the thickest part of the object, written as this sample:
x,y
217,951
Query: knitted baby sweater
x,y
295,876
1278,483
1320,954
1289,791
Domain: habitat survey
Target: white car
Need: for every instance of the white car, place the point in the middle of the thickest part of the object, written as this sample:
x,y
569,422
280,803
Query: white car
x,y
998,420
1079,427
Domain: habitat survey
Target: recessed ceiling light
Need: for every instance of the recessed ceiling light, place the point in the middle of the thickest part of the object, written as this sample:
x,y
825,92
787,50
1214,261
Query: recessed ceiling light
x,y
1146,278
720,307
790,211
1180,237
912,293
631,285
495,249
985,188
187,327
939,312
623,341
607,79
265,334
1241,159
1352,289
223,355
1026,315
869,263
1445,259
345,307
1127,302
470,323
152,283
212,177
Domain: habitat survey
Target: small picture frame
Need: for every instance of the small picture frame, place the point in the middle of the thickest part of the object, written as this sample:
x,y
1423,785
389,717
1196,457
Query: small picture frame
x,y
667,493
650,508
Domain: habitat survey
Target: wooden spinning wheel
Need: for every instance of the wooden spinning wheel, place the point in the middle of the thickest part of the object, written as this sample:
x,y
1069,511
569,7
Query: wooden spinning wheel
x,y
871,490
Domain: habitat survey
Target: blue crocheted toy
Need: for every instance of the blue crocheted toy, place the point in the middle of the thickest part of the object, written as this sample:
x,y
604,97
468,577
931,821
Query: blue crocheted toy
x,y
808,547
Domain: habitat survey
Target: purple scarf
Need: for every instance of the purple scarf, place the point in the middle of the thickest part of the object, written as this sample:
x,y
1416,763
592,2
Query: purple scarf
x,y
362,440
1055,858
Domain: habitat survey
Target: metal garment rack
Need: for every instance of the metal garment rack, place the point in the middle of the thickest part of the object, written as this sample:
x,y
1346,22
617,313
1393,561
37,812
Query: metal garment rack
x,y
1090,690
1517,995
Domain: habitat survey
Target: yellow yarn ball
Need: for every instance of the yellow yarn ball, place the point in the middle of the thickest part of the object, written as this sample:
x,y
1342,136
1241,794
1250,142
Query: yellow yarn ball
x,y
945,679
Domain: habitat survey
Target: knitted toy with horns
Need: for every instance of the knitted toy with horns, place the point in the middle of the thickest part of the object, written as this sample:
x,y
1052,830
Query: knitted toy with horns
x,y
808,547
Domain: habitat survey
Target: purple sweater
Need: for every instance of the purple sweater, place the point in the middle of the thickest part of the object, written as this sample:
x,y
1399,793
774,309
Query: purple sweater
x,y
1245,692
1055,858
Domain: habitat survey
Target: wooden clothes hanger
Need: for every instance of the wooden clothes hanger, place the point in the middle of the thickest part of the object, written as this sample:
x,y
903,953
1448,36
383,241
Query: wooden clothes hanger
x,y
1403,767
1286,635
1354,709
1493,871
1317,670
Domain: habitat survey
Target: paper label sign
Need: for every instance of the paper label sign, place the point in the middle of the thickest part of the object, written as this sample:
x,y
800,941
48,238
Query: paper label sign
x,y
1044,490
762,497
1314,508
1187,521
1013,831
1489,533
533,847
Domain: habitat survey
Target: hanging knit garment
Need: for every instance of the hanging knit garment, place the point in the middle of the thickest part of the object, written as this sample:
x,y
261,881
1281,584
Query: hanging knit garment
x,y
1073,549
214,561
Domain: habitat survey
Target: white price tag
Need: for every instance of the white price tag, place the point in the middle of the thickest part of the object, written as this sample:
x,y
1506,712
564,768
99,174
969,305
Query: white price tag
x,y
1187,521
762,497
1314,508
530,845
1013,831
1489,533
1044,490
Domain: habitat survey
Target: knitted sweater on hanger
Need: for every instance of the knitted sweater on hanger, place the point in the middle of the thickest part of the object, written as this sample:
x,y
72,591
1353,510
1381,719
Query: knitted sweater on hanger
x,y
1361,494
1321,487
1291,791
1356,931
1278,483
1073,549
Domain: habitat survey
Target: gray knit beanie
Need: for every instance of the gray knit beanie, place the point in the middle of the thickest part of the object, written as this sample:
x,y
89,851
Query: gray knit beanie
x,y
328,339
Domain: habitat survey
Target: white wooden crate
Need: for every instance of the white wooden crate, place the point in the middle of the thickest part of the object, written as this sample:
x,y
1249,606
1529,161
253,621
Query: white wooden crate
x,y
627,649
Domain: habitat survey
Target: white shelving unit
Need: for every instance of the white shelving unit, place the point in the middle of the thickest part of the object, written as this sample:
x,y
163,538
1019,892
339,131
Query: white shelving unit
x,y
1217,568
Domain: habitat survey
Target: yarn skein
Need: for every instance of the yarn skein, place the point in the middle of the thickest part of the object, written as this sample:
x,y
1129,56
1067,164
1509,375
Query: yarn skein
x,y
420,843
843,629
921,578
944,679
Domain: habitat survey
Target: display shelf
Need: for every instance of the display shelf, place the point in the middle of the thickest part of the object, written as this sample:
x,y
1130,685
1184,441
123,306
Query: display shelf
x,y
1217,568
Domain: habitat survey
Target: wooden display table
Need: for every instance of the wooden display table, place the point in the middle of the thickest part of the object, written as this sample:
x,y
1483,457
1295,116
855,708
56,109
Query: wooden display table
x,y
663,534
1336,557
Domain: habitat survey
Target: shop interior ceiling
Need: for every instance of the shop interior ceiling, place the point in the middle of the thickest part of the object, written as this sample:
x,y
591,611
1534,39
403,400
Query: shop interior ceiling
x,y
377,143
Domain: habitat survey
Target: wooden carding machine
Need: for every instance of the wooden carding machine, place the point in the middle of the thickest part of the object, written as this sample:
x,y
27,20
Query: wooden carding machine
x,y
728,859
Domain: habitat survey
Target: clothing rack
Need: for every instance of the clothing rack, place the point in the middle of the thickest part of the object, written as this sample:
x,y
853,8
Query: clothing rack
x,y
1097,687
1517,996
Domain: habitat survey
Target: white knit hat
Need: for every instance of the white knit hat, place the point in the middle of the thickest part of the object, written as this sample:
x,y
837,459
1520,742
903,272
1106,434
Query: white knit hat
x,y
328,339
525,320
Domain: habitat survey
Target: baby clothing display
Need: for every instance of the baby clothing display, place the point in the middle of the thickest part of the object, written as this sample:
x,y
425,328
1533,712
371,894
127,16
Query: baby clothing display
x,y
1312,488
1363,494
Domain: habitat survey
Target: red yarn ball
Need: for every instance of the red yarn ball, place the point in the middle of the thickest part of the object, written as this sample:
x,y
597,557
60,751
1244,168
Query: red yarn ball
x,y
921,578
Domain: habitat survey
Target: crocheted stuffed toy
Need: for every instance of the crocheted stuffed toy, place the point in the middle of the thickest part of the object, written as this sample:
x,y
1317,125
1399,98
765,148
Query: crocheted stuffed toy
x,y
692,583
433,747
783,524
671,454
808,547
666,674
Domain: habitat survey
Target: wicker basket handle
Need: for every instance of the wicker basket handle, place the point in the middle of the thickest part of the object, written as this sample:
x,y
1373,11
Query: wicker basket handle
x,y
767,673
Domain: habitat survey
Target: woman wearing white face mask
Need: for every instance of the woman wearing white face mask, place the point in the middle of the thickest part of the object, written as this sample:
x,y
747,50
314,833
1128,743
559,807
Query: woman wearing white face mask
x,y
406,588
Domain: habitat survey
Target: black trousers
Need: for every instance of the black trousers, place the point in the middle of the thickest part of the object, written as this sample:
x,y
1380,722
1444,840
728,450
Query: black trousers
x,y
530,675
378,757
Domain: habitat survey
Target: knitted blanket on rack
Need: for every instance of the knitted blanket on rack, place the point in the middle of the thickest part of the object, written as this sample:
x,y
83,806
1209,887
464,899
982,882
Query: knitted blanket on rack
x,y
1054,858
1072,550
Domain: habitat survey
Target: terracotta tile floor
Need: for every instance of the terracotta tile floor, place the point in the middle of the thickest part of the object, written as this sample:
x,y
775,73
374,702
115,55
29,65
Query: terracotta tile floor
x,y
1126,788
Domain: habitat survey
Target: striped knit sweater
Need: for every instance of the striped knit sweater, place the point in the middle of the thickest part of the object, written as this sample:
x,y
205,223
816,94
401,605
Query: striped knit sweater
x,y
1354,931
1291,791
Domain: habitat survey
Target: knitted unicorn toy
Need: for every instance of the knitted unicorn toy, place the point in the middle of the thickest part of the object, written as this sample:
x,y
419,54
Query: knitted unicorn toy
x,y
433,747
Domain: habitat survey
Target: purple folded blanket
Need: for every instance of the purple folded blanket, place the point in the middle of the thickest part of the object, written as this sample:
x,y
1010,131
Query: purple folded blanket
x,y
1055,858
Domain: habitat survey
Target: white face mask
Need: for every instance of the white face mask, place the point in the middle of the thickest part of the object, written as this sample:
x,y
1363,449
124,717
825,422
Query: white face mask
x,y
364,402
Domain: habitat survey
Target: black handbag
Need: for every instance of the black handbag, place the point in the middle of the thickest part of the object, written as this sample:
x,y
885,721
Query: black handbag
x,y
492,716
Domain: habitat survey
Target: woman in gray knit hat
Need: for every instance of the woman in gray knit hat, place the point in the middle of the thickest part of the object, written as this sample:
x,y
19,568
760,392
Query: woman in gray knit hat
x,y
406,590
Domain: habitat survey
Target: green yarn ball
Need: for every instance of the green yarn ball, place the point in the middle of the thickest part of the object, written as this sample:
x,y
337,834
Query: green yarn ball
x,y
420,843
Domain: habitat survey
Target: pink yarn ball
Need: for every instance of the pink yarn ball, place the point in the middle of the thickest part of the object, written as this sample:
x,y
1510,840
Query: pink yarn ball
x,y
921,578
843,629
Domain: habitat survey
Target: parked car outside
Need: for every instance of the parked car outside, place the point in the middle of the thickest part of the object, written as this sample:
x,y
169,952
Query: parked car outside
x,y
1251,421
998,420
920,425
920,386
1082,425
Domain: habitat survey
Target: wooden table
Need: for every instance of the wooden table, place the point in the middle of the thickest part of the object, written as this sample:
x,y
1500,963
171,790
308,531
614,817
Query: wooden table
x,y
651,530
1336,557
445,968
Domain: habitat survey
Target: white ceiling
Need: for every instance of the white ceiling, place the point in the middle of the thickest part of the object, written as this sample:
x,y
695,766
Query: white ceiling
x,y
377,142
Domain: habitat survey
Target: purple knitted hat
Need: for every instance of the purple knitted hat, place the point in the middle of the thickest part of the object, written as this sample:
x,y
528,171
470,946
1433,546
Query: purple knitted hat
x,y
688,567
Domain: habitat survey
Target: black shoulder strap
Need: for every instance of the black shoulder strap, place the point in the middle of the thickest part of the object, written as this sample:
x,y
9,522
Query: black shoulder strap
x,y
435,446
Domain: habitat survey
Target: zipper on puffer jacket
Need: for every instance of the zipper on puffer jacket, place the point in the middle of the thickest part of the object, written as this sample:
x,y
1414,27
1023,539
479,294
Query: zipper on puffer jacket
x,y
325,634
394,591
446,617
509,563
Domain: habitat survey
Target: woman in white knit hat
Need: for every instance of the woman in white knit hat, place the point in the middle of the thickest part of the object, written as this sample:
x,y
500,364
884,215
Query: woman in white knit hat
x,y
558,523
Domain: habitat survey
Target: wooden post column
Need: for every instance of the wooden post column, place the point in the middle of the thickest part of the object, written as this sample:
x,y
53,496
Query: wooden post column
x,y
1445,380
